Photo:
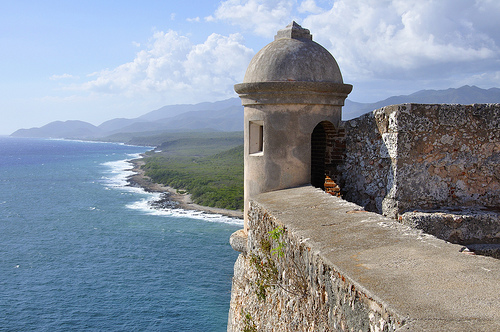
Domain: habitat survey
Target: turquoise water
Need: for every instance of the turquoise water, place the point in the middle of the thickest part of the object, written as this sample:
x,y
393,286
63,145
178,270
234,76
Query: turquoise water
x,y
80,251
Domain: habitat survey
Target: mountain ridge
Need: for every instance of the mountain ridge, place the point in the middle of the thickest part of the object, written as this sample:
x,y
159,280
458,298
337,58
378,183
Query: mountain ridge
x,y
227,115
463,95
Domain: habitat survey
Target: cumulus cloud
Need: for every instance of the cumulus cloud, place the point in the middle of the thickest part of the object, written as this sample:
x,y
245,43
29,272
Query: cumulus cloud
x,y
264,17
309,6
385,38
172,67
398,41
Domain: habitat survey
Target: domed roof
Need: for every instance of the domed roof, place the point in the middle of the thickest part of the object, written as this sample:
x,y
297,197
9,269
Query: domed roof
x,y
293,56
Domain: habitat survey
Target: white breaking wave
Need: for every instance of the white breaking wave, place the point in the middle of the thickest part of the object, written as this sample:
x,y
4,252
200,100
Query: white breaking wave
x,y
118,173
144,206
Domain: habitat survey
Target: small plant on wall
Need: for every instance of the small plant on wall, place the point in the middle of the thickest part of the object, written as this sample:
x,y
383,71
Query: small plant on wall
x,y
277,235
266,265
248,323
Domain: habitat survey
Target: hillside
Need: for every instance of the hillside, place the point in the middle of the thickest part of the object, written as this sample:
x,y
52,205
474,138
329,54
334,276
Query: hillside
x,y
215,180
208,165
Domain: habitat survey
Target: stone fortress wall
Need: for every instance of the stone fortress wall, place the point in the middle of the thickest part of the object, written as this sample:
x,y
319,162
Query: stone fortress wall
x,y
334,266
311,261
434,167
414,156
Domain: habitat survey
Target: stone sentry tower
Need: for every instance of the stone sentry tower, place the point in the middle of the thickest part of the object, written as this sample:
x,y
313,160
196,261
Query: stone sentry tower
x,y
292,95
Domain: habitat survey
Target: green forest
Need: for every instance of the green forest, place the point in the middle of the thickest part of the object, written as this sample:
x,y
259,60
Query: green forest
x,y
208,166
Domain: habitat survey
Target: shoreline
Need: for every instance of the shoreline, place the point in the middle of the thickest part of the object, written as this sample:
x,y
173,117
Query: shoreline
x,y
183,201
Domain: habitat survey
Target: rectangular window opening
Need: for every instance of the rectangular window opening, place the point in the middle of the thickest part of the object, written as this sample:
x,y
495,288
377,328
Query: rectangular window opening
x,y
256,137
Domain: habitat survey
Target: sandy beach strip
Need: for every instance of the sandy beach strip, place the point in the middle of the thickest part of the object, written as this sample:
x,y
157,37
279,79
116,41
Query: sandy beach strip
x,y
184,200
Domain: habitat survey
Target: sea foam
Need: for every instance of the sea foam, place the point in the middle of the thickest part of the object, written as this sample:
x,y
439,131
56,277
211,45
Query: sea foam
x,y
144,205
117,173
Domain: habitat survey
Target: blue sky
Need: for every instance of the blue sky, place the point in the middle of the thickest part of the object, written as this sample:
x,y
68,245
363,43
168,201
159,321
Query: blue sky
x,y
98,60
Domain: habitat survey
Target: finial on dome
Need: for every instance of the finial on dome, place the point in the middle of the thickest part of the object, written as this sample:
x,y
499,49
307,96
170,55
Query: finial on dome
x,y
295,31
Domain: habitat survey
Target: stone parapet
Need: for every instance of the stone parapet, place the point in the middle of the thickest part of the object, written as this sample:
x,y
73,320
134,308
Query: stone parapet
x,y
417,156
316,262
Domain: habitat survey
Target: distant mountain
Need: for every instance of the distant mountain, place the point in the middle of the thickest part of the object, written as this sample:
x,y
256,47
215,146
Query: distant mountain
x,y
231,119
463,95
173,110
60,129
228,119
117,124
227,115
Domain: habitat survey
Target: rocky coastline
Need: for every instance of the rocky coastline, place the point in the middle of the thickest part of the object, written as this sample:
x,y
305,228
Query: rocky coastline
x,y
169,197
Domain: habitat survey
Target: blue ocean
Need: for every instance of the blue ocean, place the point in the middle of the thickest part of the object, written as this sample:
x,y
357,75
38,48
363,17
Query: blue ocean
x,y
82,251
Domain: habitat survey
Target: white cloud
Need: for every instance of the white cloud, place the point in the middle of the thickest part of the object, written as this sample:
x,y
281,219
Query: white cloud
x,y
219,61
194,19
385,39
63,76
172,68
393,41
264,17
309,6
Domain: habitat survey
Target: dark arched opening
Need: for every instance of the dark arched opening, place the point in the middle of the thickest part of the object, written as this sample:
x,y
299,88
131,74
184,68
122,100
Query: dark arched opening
x,y
327,153
318,151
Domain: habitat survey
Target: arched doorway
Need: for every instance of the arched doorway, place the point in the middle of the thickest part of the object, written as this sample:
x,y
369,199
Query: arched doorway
x,y
327,151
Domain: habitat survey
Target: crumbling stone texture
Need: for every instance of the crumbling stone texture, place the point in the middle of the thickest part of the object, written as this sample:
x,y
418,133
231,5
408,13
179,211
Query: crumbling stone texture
x,y
416,156
299,291
366,173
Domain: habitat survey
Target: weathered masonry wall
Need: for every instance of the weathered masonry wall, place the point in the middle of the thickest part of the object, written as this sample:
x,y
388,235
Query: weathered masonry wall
x,y
314,262
413,156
